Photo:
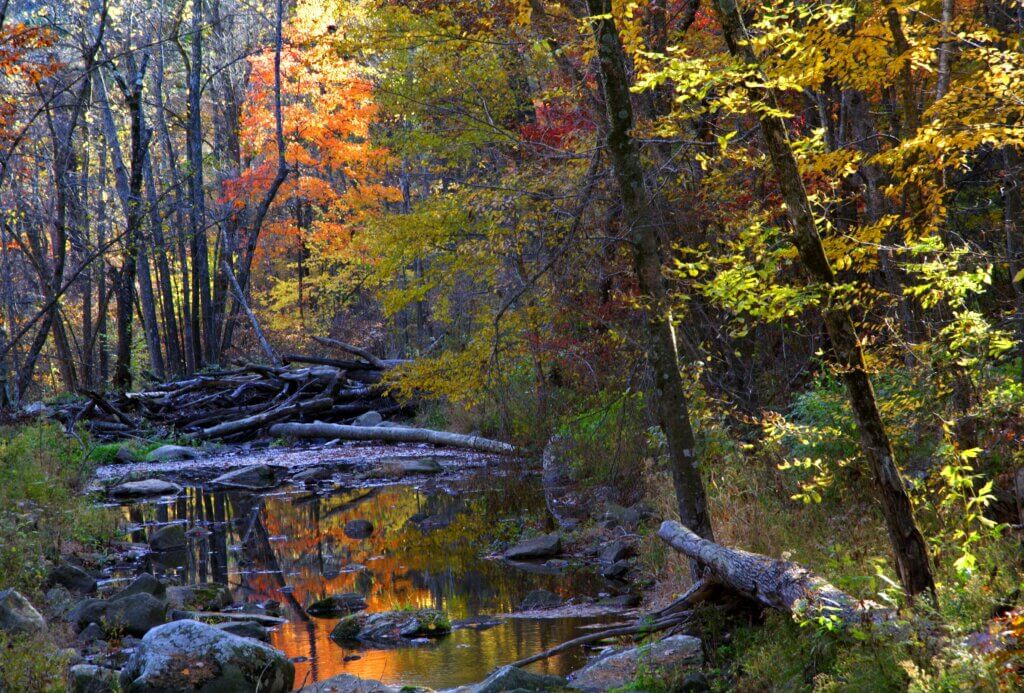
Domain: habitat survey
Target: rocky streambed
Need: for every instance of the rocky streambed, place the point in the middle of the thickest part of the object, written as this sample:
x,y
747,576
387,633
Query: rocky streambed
x,y
348,568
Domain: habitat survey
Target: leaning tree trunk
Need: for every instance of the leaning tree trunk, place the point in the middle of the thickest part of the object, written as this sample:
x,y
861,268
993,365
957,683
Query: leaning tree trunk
x,y
908,544
669,396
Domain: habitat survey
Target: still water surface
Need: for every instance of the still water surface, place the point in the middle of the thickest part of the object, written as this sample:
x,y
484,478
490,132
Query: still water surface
x,y
289,546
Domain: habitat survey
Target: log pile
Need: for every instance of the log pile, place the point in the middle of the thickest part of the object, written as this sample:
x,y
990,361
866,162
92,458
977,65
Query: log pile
x,y
238,404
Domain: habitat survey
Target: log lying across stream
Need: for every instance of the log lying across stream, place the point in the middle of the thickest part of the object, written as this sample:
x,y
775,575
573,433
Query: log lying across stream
x,y
390,435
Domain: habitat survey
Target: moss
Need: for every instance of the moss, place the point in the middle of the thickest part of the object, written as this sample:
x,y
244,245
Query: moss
x,y
347,629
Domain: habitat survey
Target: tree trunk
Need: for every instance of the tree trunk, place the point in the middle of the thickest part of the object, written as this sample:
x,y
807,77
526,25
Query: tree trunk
x,y
320,430
908,544
668,393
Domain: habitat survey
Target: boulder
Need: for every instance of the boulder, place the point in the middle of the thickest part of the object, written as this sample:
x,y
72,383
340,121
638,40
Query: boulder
x,y
59,601
144,584
193,656
392,628
358,529
402,466
346,683
125,455
540,599
370,418
204,596
171,453
667,657
544,546
88,678
617,570
245,629
146,487
168,538
337,605
253,478
72,577
509,678
617,550
134,614
17,615
311,475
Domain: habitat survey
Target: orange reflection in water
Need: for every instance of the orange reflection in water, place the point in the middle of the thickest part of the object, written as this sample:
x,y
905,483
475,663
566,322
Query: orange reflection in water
x,y
296,552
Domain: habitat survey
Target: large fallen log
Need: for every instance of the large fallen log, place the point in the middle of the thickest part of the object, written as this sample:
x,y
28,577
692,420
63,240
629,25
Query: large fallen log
x,y
390,435
263,418
779,584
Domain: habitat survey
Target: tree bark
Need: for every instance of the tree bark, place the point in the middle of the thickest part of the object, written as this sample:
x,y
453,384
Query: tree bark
x,y
909,547
668,393
320,430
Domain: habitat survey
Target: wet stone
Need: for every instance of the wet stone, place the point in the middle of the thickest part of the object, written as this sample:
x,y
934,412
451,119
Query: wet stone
x,y
146,487
392,628
168,538
254,478
134,614
72,577
144,584
544,546
337,605
205,596
245,629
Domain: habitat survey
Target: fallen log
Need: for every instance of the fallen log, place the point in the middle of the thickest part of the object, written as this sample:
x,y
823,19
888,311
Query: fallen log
x,y
258,420
779,584
391,435
351,349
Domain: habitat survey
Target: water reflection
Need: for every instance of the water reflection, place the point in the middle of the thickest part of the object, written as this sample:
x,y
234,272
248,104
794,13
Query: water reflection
x,y
290,547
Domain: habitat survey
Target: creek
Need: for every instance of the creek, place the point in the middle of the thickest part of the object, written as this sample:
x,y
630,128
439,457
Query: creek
x,y
281,549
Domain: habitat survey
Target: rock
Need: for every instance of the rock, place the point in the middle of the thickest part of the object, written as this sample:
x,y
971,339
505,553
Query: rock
x,y
91,633
204,596
337,605
254,478
509,678
311,475
144,584
59,601
621,601
481,622
134,614
370,418
544,546
74,578
617,570
562,494
401,466
171,453
88,678
245,629
125,455
346,683
540,599
146,487
666,656
168,538
617,516
193,656
17,615
358,529
617,550
392,627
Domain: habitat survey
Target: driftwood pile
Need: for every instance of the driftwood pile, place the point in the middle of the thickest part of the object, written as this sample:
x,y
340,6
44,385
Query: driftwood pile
x,y
238,404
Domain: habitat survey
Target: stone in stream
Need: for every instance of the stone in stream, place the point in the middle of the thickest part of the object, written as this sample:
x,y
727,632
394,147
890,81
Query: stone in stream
x,y
370,418
72,577
89,678
245,629
337,605
17,615
311,475
401,466
134,614
193,656
392,628
146,487
544,546
172,453
617,570
204,596
346,683
667,657
358,529
617,550
540,599
254,478
168,538
510,678
144,584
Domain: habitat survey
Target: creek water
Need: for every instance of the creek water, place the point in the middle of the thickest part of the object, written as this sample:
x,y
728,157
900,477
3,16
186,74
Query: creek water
x,y
427,550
